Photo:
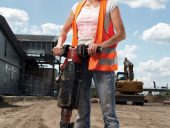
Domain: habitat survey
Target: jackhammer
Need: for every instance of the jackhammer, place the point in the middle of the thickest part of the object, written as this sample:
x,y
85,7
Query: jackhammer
x,y
70,81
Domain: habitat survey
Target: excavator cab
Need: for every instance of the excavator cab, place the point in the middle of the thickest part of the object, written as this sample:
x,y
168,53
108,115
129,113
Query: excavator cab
x,y
121,76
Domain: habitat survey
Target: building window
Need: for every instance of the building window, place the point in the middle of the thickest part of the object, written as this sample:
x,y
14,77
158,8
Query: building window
x,y
6,71
5,48
12,73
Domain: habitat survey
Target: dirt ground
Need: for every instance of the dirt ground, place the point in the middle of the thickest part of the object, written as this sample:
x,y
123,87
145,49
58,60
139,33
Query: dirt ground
x,y
46,114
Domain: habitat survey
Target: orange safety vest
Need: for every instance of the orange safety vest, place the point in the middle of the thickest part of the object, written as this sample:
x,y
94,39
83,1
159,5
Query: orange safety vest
x,y
107,60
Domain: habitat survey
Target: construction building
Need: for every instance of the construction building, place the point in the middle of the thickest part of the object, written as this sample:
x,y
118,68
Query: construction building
x,y
40,64
26,63
12,60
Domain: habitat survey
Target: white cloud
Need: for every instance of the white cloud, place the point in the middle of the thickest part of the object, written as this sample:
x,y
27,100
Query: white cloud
x,y
153,4
16,15
158,33
50,28
32,29
18,20
153,70
128,52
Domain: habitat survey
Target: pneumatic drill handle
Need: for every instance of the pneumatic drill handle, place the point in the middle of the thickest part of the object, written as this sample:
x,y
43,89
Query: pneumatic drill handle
x,y
99,49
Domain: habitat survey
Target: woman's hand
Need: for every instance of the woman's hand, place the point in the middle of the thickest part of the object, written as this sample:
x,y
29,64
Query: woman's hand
x,y
57,50
92,49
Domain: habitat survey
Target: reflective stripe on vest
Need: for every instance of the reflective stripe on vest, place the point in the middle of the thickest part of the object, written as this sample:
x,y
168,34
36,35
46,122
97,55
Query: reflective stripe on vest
x,y
107,60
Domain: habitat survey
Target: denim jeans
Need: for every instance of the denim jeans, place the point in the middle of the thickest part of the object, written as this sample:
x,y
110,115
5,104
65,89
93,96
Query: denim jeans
x,y
105,85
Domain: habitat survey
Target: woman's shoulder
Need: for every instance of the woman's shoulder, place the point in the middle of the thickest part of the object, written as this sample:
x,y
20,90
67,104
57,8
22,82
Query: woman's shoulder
x,y
74,7
111,4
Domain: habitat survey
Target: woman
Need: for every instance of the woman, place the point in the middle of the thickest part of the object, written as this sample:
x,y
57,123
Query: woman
x,y
93,23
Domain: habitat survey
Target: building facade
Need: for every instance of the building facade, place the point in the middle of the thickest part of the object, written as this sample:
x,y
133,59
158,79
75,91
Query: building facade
x,y
11,60
26,63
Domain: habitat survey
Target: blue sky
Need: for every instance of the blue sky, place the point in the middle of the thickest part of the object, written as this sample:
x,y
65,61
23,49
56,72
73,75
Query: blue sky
x,y
147,24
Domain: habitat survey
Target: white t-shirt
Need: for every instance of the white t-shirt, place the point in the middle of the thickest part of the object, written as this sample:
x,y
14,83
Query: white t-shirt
x,y
87,21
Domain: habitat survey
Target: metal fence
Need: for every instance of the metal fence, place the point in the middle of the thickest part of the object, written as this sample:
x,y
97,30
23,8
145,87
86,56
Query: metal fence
x,y
24,84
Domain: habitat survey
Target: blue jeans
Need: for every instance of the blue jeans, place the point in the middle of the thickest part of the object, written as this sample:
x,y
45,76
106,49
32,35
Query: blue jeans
x,y
105,85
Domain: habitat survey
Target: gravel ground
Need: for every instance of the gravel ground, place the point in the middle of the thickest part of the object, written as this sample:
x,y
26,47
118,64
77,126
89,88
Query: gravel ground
x,y
46,114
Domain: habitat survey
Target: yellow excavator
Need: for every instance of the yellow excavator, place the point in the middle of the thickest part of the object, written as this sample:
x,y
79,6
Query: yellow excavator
x,y
128,90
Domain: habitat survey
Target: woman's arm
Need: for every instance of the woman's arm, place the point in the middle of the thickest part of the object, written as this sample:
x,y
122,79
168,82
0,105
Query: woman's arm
x,y
63,34
119,35
119,27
